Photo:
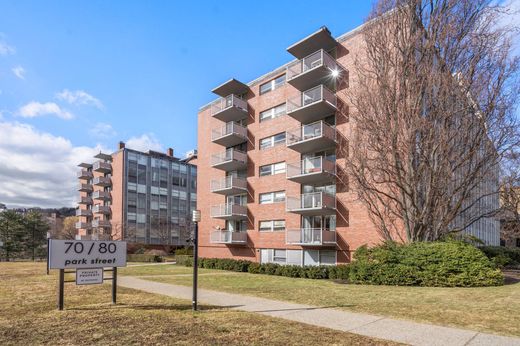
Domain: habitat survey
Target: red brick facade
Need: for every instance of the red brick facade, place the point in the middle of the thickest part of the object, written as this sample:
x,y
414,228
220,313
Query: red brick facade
x,y
353,225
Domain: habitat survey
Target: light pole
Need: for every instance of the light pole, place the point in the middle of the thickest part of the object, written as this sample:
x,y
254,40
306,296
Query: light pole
x,y
195,219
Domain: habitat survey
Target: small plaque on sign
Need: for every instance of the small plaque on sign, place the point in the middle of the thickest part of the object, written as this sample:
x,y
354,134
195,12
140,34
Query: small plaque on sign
x,y
89,276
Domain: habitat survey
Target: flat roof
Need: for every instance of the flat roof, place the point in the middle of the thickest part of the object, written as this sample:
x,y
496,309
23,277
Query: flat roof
x,y
232,86
321,39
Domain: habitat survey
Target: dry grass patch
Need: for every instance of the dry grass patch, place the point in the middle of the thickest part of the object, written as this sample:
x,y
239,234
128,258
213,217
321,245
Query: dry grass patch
x,y
28,316
489,309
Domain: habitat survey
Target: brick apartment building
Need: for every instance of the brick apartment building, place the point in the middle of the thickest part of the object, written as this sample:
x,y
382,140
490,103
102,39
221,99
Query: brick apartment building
x,y
270,185
136,196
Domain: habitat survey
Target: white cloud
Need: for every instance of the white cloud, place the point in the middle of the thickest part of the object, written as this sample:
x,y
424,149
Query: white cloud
x,y
35,109
102,131
19,71
5,49
38,168
79,98
145,142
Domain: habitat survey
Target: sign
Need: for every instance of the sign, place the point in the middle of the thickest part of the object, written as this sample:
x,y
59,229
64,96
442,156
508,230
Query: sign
x,y
89,276
67,254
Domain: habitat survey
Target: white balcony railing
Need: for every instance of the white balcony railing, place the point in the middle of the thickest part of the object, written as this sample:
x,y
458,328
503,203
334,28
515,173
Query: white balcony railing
x,y
311,201
229,182
83,212
310,236
101,223
101,195
228,237
100,166
84,174
227,156
312,61
230,128
311,96
101,209
313,165
309,132
102,181
228,210
228,102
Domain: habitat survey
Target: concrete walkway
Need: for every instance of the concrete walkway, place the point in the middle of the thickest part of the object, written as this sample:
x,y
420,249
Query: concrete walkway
x,y
363,324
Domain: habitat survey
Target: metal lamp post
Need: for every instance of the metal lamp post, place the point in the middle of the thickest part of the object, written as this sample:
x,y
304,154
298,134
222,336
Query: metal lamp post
x,y
196,220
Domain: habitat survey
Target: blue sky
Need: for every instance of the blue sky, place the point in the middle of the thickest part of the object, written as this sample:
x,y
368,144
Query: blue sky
x,y
78,76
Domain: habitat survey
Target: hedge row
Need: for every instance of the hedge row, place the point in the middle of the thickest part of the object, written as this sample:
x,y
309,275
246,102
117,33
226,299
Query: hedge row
x,y
502,256
309,272
143,258
444,264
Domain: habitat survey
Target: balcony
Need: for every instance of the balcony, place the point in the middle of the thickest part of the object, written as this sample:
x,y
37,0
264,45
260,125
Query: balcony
x,y
321,39
229,108
315,203
312,105
316,68
83,212
83,225
311,170
102,167
85,200
229,211
101,224
84,174
228,237
310,237
310,138
85,187
101,195
229,186
102,181
229,135
101,209
229,160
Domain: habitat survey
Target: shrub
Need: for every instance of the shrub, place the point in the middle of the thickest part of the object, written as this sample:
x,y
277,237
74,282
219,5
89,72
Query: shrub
x,y
184,260
448,264
339,272
502,256
143,258
184,251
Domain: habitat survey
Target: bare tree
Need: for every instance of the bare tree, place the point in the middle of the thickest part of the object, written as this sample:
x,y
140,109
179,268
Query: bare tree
x,y
433,94
510,199
68,229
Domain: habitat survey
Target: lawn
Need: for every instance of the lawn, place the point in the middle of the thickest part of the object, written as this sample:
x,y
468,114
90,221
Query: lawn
x,y
488,309
28,316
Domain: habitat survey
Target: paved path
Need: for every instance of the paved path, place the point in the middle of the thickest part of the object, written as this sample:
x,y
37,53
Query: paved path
x,y
363,324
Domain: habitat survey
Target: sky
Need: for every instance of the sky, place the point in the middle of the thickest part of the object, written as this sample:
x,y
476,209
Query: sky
x,y
76,77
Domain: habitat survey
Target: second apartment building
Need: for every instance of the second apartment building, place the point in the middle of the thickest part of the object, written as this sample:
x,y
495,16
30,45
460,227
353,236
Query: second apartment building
x,y
140,197
271,180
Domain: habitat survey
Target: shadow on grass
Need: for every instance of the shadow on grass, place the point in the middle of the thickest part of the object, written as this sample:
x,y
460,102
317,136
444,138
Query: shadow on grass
x,y
177,307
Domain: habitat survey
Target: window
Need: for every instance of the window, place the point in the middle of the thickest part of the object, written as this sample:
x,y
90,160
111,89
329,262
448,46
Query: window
x,y
272,84
279,256
272,141
272,197
272,225
272,169
273,256
272,113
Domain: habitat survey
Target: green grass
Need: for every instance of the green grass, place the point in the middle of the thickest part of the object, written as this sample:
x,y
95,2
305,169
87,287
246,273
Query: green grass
x,y
488,309
28,316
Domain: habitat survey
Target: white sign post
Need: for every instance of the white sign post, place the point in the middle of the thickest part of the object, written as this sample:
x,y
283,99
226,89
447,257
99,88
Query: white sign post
x,y
88,257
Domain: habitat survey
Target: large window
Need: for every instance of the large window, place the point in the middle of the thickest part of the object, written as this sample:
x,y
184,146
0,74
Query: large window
x,y
272,141
272,84
272,225
272,197
272,113
272,169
